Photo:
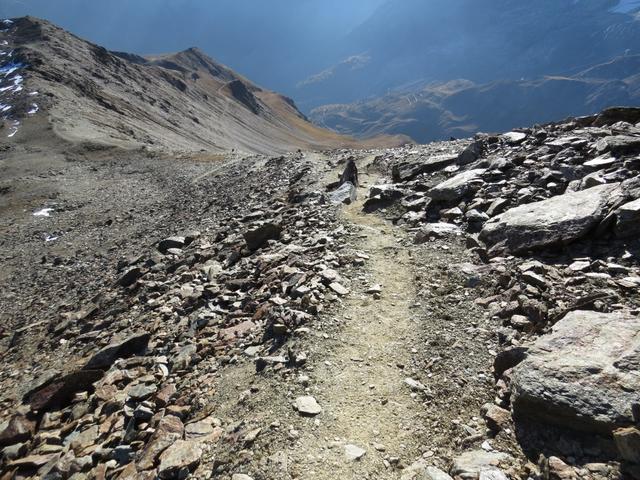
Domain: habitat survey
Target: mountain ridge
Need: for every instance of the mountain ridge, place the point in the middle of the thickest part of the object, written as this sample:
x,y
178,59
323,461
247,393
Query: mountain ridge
x,y
461,108
176,101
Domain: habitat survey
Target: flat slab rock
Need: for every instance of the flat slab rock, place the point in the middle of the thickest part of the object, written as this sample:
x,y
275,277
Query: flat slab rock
x,y
182,455
583,375
480,464
556,221
345,193
457,187
405,171
436,230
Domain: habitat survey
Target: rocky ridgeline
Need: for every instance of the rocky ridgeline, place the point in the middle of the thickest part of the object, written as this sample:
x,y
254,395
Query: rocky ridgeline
x,y
553,213
130,401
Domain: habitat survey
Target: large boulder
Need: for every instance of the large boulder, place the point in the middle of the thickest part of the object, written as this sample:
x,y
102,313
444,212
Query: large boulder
x,y
617,114
457,187
405,171
619,144
556,221
350,174
583,375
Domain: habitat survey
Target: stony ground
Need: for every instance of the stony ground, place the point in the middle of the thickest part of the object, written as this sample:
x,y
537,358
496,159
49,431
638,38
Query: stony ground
x,y
204,316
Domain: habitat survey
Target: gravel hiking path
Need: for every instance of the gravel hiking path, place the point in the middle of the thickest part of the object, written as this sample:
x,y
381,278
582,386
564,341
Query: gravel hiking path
x,y
365,400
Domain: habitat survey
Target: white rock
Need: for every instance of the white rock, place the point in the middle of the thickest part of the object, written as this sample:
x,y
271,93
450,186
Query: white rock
x,y
353,452
308,406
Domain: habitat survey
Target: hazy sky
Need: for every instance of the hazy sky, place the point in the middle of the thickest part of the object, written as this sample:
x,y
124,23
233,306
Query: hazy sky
x,y
266,40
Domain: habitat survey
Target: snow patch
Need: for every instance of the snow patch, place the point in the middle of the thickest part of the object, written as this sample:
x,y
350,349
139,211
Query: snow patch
x,y
43,212
34,109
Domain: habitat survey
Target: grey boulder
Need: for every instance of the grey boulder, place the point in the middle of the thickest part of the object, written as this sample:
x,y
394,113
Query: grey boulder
x,y
619,144
583,375
457,187
558,220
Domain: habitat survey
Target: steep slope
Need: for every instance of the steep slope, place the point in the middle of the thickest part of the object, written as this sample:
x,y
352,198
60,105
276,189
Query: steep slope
x,y
184,101
462,108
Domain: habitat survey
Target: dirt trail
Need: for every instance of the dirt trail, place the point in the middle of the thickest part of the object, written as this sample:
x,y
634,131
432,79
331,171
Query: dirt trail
x,y
361,383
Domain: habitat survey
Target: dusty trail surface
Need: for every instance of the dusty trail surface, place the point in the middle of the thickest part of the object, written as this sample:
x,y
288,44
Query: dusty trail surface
x,y
381,365
361,381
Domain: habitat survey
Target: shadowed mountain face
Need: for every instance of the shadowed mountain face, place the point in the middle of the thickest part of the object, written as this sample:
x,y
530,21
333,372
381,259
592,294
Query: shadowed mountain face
x,y
480,40
462,108
182,101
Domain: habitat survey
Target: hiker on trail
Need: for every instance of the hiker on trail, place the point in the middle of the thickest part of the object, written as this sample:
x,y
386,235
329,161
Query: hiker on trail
x,y
350,173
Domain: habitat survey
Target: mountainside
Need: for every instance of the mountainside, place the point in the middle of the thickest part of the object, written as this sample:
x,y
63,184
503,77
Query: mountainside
x,y
462,108
458,310
176,102
411,40
173,307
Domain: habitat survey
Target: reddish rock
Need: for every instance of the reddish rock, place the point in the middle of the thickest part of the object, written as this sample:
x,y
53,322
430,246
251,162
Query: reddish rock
x,y
58,392
170,429
20,429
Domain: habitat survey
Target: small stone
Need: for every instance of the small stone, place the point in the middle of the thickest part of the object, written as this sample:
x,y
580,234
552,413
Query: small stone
x,y
414,385
374,289
252,435
520,322
353,452
514,138
558,470
171,242
308,406
338,288
241,476
141,391
497,418
143,413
